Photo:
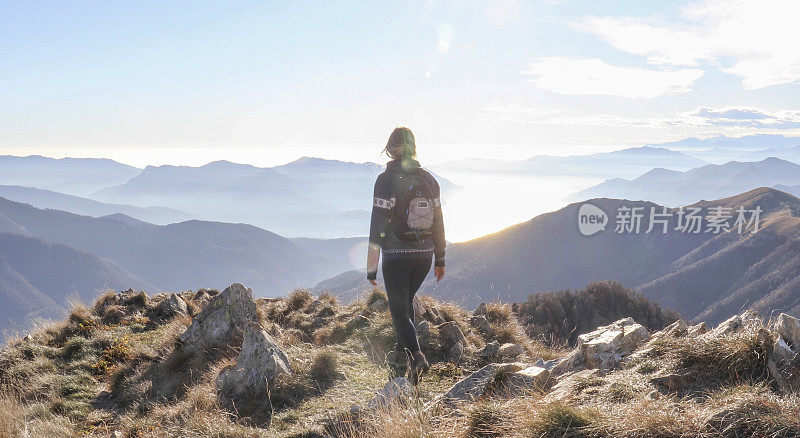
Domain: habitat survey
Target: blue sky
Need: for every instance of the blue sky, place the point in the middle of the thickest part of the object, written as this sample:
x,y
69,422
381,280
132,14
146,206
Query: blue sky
x,y
265,82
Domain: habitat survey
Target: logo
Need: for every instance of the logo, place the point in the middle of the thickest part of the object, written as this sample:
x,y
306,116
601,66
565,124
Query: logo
x,y
591,219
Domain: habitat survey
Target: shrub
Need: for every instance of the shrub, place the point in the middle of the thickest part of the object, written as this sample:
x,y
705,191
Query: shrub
x,y
559,420
486,420
325,367
558,318
298,300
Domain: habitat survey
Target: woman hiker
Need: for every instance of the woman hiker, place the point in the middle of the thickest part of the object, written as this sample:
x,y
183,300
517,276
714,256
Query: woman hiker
x,y
407,228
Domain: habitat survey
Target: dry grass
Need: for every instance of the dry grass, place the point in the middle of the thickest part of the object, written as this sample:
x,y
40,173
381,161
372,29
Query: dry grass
x,y
53,382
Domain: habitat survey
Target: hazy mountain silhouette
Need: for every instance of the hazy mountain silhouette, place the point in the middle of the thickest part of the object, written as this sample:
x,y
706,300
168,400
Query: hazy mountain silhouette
x,y
704,275
37,278
75,176
345,253
308,197
75,204
713,181
745,143
189,254
623,163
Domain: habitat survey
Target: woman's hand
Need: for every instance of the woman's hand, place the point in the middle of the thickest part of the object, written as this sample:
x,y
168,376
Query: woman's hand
x,y
439,273
374,283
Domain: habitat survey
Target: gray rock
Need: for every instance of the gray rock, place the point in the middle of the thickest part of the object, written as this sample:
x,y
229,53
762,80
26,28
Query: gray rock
x,y
481,323
677,329
781,351
359,321
546,364
480,310
433,316
456,351
470,388
789,328
423,329
565,385
395,392
573,361
451,334
222,323
490,349
697,329
174,305
530,378
511,350
730,325
259,363
608,345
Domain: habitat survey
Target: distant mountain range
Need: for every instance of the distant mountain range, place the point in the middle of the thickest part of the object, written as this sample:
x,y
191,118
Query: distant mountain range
x,y
75,204
38,278
623,163
745,143
713,181
308,197
706,276
74,176
179,256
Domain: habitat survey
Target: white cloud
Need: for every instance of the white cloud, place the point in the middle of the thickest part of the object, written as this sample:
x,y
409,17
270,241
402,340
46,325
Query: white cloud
x,y
753,39
743,116
743,119
446,31
593,76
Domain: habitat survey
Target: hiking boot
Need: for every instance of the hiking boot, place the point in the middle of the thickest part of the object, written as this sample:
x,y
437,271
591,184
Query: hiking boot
x,y
419,365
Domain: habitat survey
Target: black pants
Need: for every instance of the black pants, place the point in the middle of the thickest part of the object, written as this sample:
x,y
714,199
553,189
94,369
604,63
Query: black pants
x,y
403,277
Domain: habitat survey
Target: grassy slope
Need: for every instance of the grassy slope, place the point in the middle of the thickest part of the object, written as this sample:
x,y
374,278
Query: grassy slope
x,y
113,367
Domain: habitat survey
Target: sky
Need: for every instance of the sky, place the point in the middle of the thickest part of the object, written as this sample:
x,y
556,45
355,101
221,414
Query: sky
x,y
265,82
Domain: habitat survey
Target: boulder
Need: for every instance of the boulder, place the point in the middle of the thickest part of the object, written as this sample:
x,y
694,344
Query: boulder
x,y
480,310
395,392
510,350
451,334
781,351
423,329
174,305
565,385
608,345
221,325
456,351
259,363
530,378
789,328
573,361
480,323
490,349
677,329
359,321
697,329
730,325
470,388
434,316
546,364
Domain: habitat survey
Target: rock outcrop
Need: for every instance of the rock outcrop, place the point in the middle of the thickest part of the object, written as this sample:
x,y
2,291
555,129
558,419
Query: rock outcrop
x,y
221,325
172,306
259,363
605,347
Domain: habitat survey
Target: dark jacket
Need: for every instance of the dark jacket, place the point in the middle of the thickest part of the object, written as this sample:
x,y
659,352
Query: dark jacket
x,y
380,232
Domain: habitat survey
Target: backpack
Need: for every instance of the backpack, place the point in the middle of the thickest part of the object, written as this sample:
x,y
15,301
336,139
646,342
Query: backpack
x,y
412,216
